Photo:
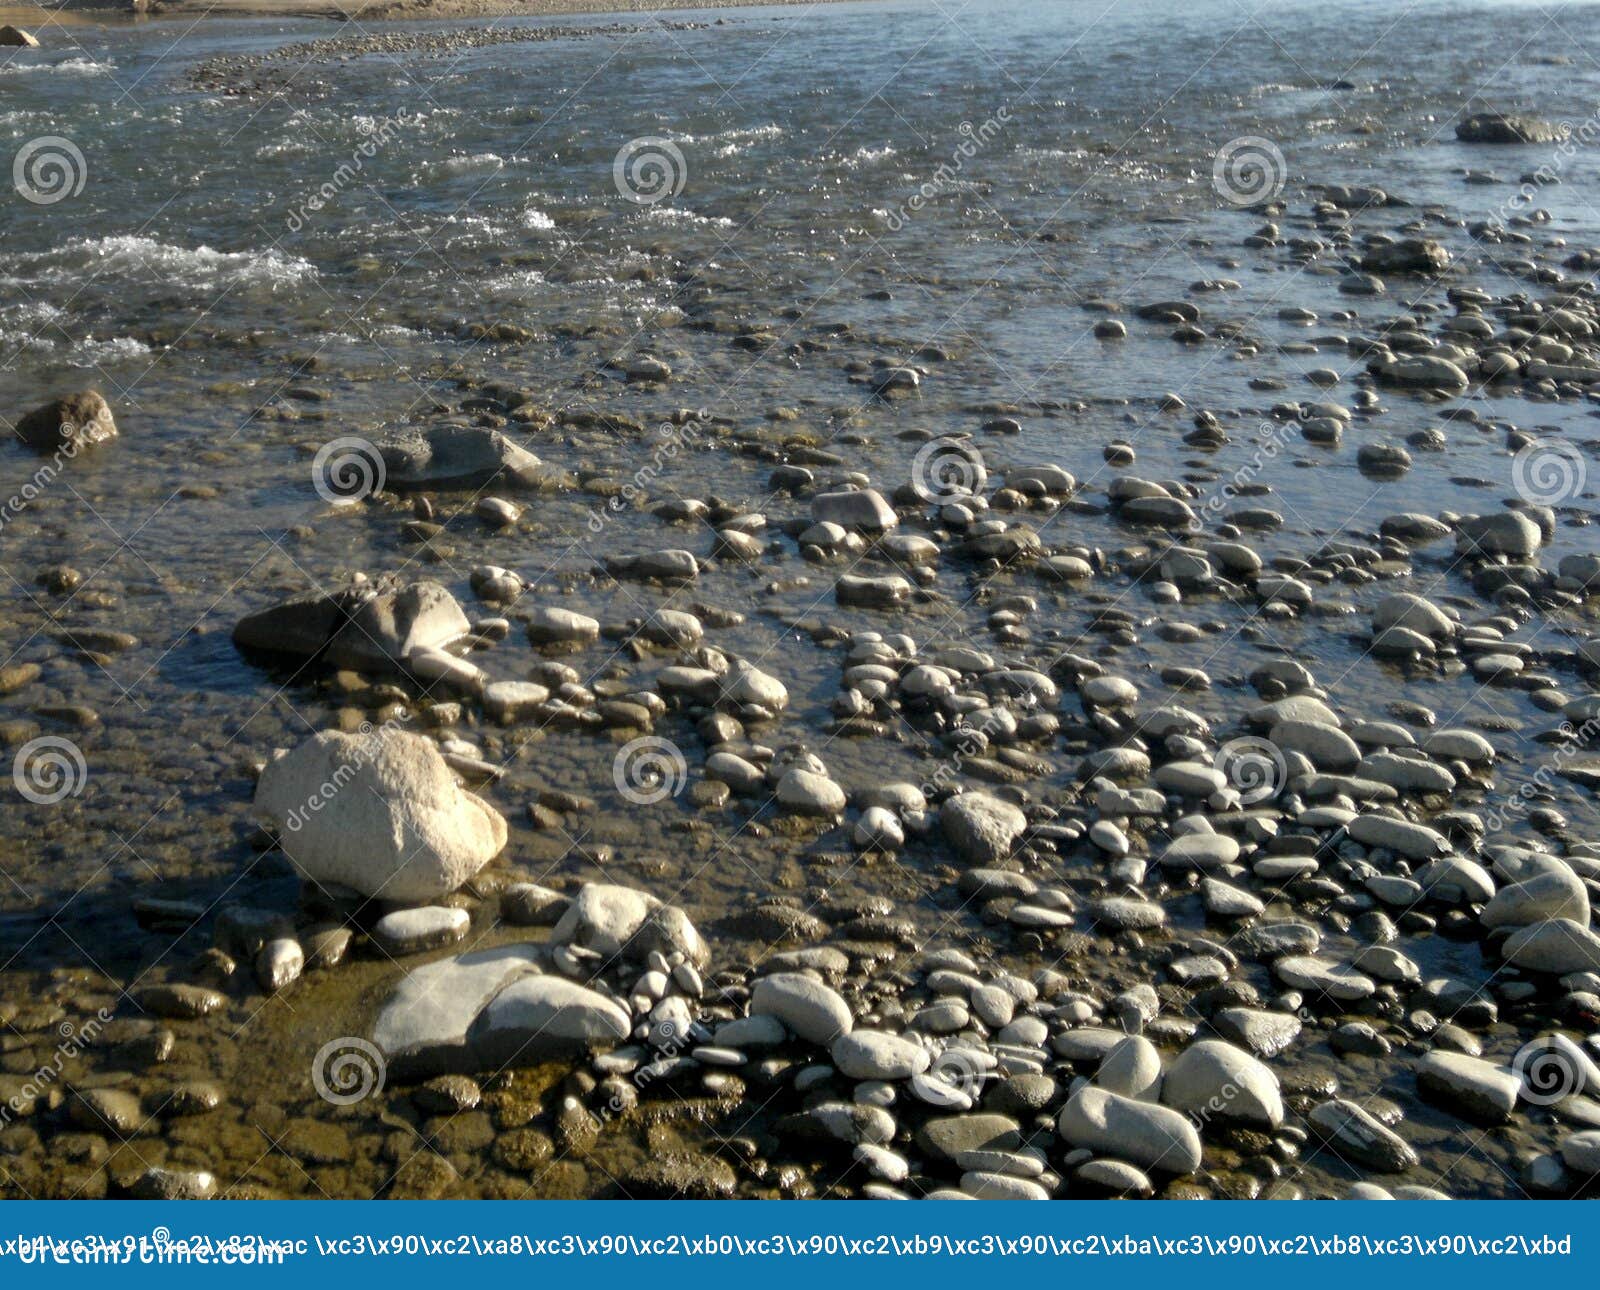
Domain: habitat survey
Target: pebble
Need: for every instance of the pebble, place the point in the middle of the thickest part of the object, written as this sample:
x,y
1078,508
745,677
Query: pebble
x,y
811,1010
875,1055
414,931
1141,1133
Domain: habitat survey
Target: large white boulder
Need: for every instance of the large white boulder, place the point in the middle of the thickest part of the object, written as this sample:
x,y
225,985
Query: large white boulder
x,y
379,813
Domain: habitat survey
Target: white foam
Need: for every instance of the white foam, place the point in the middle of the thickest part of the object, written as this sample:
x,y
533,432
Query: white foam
x,y
749,135
159,263
867,157
516,284
678,215
476,163
95,353
75,66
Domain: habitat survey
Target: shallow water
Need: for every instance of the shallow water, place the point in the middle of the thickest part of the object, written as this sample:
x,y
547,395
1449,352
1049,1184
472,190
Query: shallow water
x,y
246,277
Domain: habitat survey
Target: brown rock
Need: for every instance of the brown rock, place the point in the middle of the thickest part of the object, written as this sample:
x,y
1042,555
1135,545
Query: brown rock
x,y
70,424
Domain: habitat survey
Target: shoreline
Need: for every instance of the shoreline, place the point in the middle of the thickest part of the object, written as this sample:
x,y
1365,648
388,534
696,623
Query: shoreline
x,y
91,13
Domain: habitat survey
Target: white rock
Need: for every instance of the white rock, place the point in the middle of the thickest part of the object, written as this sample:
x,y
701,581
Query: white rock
x,y
552,625
426,1020
510,700
1581,1152
1308,972
1132,1068
1213,1078
412,931
877,1055
1556,893
379,813
1556,946
863,510
878,829
1414,841
1142,1133
807,793
1478,1089
612,920
810,1009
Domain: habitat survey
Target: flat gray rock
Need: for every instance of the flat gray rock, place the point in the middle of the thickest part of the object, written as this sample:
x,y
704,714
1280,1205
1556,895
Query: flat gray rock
x,y
877,1055
460,457
411,931
1356,1136
536,1018
1213,1078
1470,1086
425,1022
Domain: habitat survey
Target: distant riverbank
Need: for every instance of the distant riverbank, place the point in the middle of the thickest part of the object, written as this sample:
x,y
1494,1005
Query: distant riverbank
x,y
37,20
